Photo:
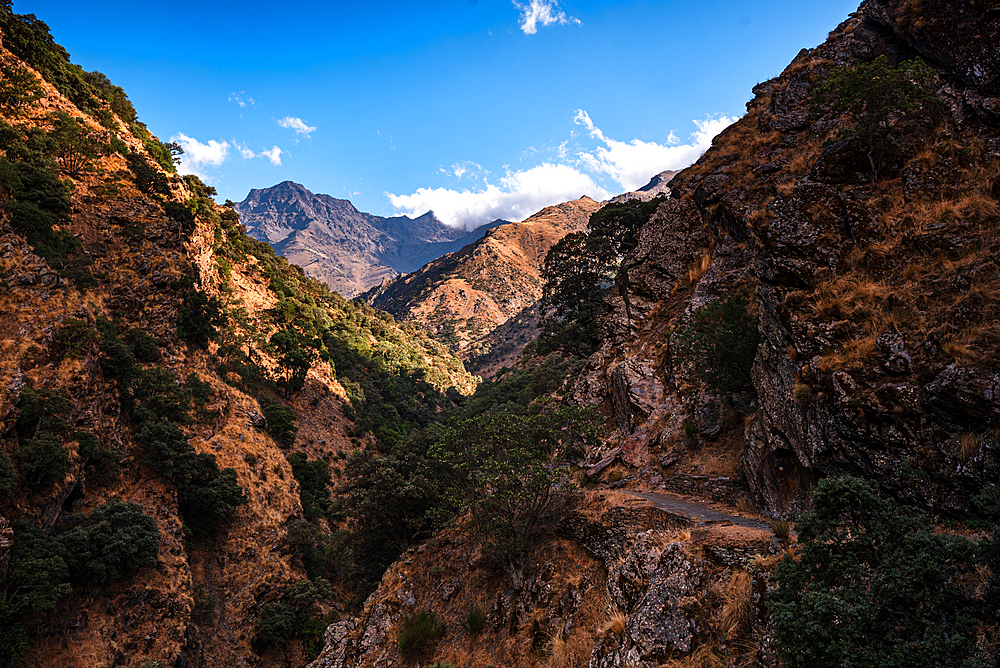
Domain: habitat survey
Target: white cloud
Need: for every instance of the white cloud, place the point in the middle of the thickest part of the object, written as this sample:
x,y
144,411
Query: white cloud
x,y
296,124
239,99
244,150
198,155
631,164
545,12
274,155
519,195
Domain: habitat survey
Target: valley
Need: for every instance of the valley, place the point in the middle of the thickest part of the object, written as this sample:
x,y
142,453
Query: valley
x,y
746,415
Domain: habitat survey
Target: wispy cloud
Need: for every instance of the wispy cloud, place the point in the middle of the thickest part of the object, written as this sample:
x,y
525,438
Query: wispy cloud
x,y
198,155
631,164
544,12
245,152
242,100
274,155
296,124
518,195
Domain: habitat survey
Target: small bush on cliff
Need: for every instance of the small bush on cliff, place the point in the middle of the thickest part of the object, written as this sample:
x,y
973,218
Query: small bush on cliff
x,y
206,495
719,344
114,539
874,585
199,318
419,636
879,98
314,484
8,477
280,421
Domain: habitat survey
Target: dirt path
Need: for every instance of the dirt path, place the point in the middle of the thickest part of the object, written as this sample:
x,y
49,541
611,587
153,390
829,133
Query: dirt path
x,y
696,511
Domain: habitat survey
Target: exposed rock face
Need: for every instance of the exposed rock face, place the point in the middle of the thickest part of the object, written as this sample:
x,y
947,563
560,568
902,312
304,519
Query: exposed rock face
x,y
872,360
629,588
465,295
349,250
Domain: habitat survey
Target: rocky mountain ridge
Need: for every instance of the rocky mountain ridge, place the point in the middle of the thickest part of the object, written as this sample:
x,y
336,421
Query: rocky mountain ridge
x,y
463,296
349,250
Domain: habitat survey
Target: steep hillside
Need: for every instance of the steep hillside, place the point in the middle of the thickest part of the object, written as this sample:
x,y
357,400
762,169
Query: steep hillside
x,y
151,353
347,249
463,296
816,300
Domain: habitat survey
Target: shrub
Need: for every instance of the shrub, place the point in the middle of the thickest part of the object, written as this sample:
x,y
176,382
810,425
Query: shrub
x,y
76,147
198,319
19,88
157,394
314,481
8,476
879,98
72,339
114,539
280,422
147,178
101,463
276,625
205,494
475,621
876,586
41,410
719,345
182,214
419,636
143,346
43,460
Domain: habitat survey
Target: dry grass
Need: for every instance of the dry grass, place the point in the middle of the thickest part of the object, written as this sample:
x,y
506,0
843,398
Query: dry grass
x,y
616,621
736,615
782,529
558,650
703,657
968,446
699,268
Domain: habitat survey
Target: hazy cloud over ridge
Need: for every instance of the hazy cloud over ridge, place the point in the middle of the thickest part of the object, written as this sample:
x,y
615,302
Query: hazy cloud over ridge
x,y
571,172
631,164
519,195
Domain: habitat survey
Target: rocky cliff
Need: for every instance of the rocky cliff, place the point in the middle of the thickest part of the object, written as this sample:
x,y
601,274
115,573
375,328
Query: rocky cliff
x,y
349,250
870,271
874,292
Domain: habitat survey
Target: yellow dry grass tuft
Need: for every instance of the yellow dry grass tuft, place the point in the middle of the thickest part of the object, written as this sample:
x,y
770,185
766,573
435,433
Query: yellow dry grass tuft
x,y
615,624
968,446
703,657
736,615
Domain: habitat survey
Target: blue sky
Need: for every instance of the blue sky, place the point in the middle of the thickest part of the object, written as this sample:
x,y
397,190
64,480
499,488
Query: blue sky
x,y
476,109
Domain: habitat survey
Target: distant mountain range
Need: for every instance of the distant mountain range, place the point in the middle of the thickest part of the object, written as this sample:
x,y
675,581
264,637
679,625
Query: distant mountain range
x,y
348,249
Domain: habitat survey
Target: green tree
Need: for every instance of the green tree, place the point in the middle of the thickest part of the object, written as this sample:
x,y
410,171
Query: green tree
x,y
718,346
874,586
295,359
199,318
879,99
76,145
504,468
8,477
43,460
113,540
575,271
19,88
314,484
280,421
